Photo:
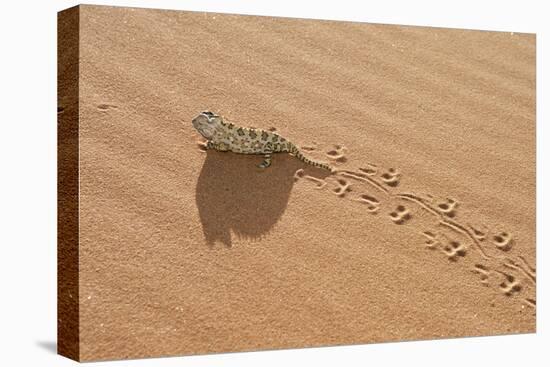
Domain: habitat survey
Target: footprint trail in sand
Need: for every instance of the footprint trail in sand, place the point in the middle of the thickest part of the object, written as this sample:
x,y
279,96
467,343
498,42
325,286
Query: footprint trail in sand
x,y
371,186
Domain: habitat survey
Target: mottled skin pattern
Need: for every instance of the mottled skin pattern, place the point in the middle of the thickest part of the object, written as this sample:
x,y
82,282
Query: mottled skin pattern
x,y
224,136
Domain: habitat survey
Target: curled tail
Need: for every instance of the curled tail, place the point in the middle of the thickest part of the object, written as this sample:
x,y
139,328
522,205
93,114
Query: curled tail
x,y
295,151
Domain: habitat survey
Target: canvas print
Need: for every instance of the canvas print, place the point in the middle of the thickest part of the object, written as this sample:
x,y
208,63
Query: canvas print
x,y
234,183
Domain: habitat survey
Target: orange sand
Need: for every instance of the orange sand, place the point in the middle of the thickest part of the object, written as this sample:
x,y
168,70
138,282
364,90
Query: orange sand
x,y
186,252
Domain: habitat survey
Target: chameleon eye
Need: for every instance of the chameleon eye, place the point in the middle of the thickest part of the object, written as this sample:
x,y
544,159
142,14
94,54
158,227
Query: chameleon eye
x,y
215,120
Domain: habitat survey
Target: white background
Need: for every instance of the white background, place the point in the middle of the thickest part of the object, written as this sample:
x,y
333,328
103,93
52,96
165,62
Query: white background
x,y
28,183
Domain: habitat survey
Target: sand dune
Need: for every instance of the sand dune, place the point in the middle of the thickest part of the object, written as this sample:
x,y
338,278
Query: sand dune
x,y
429,232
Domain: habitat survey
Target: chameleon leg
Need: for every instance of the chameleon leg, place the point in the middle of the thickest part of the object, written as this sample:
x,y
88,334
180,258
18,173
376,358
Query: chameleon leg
x,y
205,145
209,145
267,161
222,147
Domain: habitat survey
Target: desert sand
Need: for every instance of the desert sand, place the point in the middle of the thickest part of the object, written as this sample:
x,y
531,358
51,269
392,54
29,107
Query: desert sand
x,y
427,231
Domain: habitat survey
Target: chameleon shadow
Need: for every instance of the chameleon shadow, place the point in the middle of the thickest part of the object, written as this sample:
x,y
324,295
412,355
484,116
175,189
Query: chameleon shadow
x,y
234,195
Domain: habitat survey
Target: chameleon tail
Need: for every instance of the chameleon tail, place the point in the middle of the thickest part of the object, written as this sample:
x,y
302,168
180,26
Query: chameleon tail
x,y
295,151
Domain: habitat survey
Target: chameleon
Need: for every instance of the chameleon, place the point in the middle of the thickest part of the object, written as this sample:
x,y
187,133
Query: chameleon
x,y
226,137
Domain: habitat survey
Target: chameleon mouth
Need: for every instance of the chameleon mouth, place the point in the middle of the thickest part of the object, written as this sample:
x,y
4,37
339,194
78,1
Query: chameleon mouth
x,y
205,134
205,131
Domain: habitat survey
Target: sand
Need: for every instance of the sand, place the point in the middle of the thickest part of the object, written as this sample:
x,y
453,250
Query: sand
x,y
427,232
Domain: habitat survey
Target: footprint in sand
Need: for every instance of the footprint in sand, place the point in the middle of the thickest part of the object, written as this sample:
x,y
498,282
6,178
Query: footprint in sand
x,y
309,148
400,215
447,207
373,204
454,249
510,285
343,187
432,242
503,241
300,174
477,233
391,177
337,154
369,169
483,272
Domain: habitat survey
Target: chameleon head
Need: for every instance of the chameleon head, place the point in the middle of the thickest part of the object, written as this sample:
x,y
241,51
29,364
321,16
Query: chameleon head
x,y
207,124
